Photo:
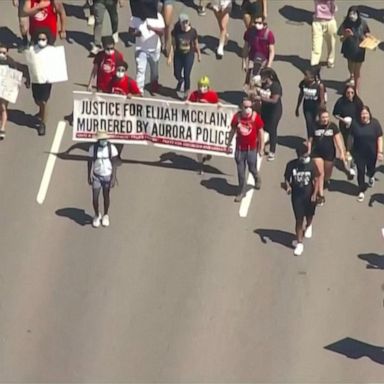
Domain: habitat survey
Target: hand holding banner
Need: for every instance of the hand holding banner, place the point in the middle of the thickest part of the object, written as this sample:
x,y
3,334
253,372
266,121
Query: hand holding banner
x,y
10,81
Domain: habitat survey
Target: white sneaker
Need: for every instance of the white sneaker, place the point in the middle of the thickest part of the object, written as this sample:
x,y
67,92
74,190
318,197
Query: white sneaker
x,y
382,232
96,221
105,221
116,37
308,232
299,249
352,172
294,243
95,49
361,196
220,50
91,21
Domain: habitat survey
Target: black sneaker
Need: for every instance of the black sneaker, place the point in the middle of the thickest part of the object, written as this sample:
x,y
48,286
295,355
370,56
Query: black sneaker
x,y
239,197
201,11
257,182
207,158
179,85
2,135
41,129
320,201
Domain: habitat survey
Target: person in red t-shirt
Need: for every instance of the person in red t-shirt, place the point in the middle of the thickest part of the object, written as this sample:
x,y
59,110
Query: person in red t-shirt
x,y
249,129
121,84
104,66
203,94
43,14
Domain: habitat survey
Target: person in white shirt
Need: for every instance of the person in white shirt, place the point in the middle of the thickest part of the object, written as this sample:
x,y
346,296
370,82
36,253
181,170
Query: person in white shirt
x,y
102,166
148,34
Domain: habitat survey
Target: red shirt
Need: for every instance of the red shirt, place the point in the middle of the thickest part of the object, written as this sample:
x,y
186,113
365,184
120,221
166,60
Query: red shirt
x,y
124,86
247,129
106,69
207,97
259,42
45,18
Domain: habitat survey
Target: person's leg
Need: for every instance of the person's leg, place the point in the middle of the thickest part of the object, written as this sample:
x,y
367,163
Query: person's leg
x,y
178,69
351,69
112,11
153,60
272,130
360,165
317,42
222,17
106,196
309,117
252,167
95,200
357,76
240,158
299,229
4,117
328,168
99,9
188,64
330,38
141,66
319,162
371,167
201,8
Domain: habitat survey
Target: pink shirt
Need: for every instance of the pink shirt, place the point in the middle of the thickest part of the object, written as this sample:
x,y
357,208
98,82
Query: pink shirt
x,y
325,9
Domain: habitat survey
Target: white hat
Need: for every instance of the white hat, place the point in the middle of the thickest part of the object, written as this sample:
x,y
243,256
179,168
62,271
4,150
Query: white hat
x,y
102,135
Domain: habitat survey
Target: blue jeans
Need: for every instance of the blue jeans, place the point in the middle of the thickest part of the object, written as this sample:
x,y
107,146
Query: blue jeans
x,y
182,68
242,158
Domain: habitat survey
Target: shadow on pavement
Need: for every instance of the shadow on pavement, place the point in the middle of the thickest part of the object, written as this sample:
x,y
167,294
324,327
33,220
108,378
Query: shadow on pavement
x,y
221,186
276,236
372,13
232,97
343,186
297,61
189,3
22,119
82,38
296,15
374,260
79,216
289,141
337,85
355,349
376,197
8,37
76,11
211,43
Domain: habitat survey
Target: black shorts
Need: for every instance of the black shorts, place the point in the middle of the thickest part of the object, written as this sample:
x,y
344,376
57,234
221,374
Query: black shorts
x,y
41,92
303,206
253,9
325,155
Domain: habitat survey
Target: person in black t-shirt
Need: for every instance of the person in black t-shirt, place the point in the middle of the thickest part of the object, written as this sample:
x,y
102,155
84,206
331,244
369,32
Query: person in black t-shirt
x,y
271,108
367,148
322,146
313,92
300,178
346,110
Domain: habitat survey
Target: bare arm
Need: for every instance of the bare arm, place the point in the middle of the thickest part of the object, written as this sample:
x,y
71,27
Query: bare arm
x,y
299,100
265,9
31,11
197,48
261,140
340,146
59,7
271,55
322,95
380,144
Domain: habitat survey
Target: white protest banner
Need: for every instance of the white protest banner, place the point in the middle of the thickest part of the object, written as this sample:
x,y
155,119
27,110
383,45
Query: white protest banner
x,y
47,65
10,81
192,127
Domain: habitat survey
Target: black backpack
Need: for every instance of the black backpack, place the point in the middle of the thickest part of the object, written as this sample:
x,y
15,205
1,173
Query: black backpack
x,y
97,146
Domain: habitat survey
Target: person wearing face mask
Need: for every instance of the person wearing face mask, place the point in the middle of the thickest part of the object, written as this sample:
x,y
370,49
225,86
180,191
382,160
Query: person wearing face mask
x,y
367,148
203,94
322,147
253,9
313,92
6,60
270,95
102,166
184,46
346,110
300,179
43,15
353,30
41,92
259,47
324,27
248,127
121,84
104,66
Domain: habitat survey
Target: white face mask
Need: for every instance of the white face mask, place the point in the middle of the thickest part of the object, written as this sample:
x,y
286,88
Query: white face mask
x,y
42,43
203,89
305,159
3,56
119,74
353,17
259,26
247,111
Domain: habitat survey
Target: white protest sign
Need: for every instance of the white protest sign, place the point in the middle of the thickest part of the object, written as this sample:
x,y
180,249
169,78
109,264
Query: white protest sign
x,y
47,65
10,81
192,127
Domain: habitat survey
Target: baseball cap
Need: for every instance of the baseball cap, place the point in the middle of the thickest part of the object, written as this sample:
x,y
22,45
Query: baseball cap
x,y
183,17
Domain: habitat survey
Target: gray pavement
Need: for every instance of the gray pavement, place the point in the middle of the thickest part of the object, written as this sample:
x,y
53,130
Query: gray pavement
x,y
180,288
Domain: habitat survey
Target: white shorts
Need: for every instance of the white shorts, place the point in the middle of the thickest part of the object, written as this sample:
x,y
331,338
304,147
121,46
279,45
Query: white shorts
x,y
222,5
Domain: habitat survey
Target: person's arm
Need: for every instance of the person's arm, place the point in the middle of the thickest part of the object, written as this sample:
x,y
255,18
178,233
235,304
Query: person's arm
x,y
287,178
93,74
380,148
271,100
90,164
197,48
315,182
114,162
24,70
322,95
15,3
31,11
245,53
299,100
261,141
271,55
59,7
339,144
265,9
232,133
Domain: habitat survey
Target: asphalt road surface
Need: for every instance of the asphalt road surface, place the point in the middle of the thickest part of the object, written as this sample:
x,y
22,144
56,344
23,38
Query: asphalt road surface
x,y
180,288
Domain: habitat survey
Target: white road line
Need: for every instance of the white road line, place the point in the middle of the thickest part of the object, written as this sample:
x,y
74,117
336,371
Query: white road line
x,y
50,163
246,202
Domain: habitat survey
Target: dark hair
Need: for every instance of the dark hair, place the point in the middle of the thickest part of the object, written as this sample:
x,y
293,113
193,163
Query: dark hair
x,y
347,23
367,109
46,32
122,63
356,99
270,74
107,40
314,71
301,149
321,111
2,45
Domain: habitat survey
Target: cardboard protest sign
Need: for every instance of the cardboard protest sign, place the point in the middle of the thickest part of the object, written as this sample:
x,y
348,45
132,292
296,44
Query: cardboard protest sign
x,y
10,81
370,42
192,127
47,65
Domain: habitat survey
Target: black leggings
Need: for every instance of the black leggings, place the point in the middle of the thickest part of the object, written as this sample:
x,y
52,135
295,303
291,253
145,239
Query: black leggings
x,y
182,68
365,162
310,116
271,121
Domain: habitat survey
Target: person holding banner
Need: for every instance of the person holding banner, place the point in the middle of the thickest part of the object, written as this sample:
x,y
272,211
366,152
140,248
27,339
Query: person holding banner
x,y
102,165
43,14
104,66
6,60
121,84
249,129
